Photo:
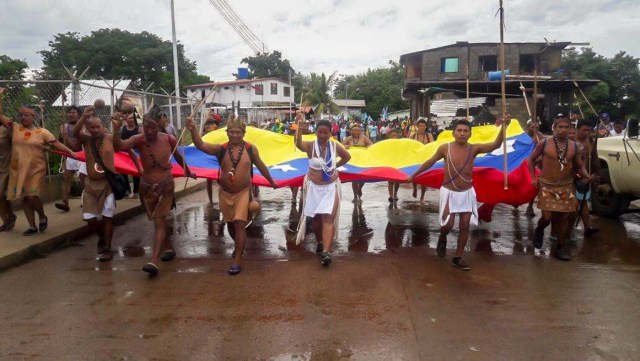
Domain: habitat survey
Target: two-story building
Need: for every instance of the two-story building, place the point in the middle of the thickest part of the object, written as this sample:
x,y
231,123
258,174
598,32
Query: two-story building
x,y
257,97
445,69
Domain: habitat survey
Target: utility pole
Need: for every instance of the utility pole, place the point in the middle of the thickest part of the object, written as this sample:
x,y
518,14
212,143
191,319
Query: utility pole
x,y
346,97
175,65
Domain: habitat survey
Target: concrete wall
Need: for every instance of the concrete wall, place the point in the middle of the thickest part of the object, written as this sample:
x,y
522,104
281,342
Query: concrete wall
x,y
431,60
516,107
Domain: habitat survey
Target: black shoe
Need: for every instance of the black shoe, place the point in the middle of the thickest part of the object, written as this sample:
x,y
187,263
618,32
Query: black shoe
x,y
30,231
44,223
326,258
441,249
538,237
319,248
561,254
234,270
151,269
168,255
590,231
458,262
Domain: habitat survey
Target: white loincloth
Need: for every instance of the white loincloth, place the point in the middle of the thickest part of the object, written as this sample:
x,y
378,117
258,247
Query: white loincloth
x,y
459,202
318,199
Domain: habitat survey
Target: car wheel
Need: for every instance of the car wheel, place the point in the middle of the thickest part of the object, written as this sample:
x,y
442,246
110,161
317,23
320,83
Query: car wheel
x,y
604,199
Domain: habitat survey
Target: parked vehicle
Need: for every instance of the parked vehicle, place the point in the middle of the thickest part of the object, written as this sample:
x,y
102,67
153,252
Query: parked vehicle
x,y
620,171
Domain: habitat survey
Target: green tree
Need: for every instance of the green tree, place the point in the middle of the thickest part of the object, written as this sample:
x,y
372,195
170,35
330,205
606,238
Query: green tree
x,y
319,94
12,69
379,88
113,53
619,91
267,65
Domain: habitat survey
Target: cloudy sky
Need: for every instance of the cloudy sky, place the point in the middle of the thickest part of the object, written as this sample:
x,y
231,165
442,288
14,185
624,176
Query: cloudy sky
x,y
347,36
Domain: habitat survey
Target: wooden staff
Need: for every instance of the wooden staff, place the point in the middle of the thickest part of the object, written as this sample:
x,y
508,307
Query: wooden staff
x,y
588,102
524,95
195,110
504,99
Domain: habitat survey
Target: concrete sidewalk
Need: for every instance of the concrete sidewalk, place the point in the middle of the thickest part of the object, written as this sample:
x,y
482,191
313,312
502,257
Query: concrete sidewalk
x,y
66,227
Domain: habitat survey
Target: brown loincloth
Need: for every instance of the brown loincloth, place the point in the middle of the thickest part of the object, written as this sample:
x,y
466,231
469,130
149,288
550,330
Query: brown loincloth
x,y
556,196
94,195
4,183
234,206
157,198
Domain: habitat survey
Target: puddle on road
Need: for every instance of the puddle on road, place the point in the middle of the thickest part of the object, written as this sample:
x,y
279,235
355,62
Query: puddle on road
x,y
376,226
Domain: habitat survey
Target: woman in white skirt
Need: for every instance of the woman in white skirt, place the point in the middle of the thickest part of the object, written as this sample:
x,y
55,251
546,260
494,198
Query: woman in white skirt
x,y
321,197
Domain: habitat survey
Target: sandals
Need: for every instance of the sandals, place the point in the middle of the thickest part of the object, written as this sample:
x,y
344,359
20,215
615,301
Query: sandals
x,y
441,249
234,269
30,231
43,224
561,254
319,248
63,206
168,255
11,222
326,259
151,269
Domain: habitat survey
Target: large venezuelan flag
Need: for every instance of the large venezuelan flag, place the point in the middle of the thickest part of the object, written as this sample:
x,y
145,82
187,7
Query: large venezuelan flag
x,y
388,160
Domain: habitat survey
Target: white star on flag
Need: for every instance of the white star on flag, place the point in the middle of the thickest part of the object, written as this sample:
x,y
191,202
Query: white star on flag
x,y
342,169
283,167
509,148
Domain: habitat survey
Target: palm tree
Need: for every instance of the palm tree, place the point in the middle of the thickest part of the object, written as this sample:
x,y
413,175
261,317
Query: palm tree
x,y
318,96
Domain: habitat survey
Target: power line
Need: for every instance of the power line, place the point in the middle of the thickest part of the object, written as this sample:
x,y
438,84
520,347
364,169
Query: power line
x,y
230,16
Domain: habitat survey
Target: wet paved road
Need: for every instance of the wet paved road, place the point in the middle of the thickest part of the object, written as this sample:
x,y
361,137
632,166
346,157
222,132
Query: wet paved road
x,y
386,296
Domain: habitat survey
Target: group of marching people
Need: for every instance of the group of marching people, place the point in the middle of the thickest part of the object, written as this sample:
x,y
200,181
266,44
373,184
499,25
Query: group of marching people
x,y
22,173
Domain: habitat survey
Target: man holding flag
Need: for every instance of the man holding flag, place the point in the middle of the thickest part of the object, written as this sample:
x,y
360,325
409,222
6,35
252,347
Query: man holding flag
x,y
457,195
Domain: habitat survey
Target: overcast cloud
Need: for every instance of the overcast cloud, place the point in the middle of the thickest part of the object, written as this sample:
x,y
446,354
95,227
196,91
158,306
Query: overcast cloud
x,y
348,36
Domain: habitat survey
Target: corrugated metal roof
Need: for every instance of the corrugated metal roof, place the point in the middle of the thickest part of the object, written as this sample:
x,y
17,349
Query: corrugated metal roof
x,y
449,107
88,93
354,103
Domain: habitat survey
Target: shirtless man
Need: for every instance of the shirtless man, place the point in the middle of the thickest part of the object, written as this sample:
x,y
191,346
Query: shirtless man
x,y
536,136
157,185
589,155
71,166
457,195
357,139
235,158
97,199
423,137
556,198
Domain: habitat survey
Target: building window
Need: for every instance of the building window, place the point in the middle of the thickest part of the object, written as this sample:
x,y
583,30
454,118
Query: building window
x,y
287,91
202,93
449,65
527,63
226,88
259,89
487,63
274,88
241,86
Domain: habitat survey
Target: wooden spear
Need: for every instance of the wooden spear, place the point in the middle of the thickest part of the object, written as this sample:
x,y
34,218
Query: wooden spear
x,y
504,99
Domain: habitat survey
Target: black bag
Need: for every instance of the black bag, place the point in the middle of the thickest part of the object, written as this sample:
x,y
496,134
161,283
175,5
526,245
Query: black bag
x,y
119,183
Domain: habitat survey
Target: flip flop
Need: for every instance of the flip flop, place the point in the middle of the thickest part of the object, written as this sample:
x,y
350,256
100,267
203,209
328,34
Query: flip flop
x,y
44,223
168,255
62,206
11,222
30,231
151,269
234,269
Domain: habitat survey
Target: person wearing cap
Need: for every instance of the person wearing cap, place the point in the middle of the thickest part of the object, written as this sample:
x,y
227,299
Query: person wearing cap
x,y
29,165
277,127
605,126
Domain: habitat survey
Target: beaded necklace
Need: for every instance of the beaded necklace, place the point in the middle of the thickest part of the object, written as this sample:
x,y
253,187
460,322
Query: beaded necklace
x,y
561,150
234,162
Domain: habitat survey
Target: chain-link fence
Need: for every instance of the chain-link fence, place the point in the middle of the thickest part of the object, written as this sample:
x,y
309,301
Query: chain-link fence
x,y
51,99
